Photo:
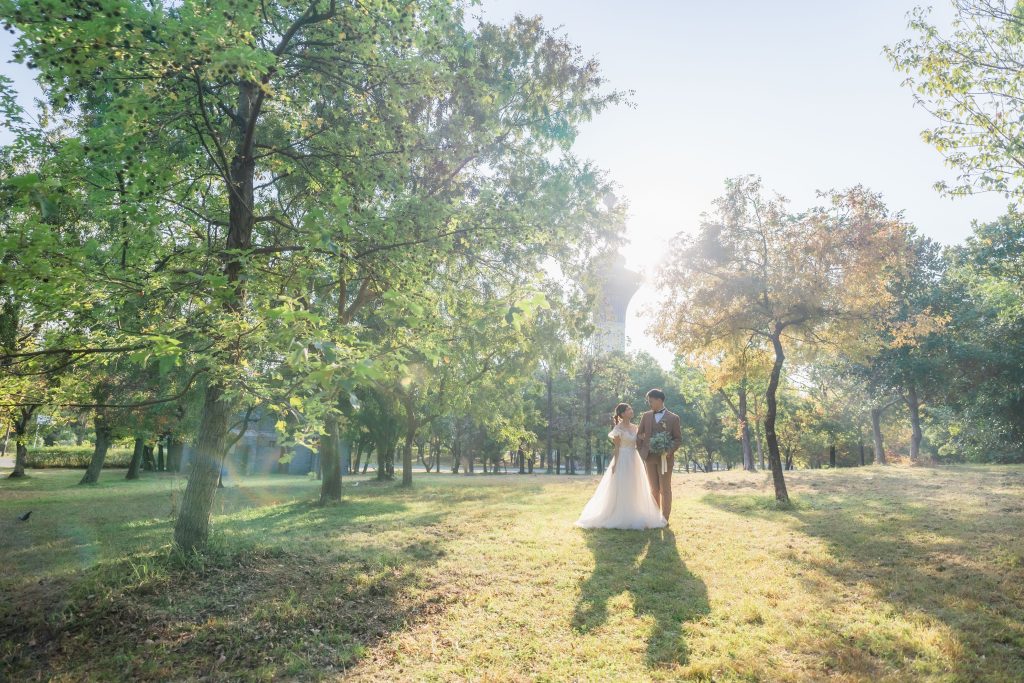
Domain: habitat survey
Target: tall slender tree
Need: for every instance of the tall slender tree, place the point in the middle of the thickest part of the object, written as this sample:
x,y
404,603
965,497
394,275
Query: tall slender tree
x,y
756,272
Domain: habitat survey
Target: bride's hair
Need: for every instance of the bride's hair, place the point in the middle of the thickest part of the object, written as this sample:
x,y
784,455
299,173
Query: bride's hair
x,y
619,412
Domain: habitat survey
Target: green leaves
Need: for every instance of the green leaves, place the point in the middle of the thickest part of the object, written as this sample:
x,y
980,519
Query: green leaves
x,y
167,351
302,202
24,181
969,79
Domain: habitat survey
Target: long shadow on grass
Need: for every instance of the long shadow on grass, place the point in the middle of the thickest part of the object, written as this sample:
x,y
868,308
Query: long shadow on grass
x,y
957,560
648,566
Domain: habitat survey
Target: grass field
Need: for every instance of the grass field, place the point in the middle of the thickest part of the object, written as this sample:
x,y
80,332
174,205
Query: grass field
x,y
880,574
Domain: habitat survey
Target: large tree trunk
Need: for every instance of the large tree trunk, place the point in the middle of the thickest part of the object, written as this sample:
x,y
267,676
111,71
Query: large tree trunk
x,y
915,423
99,453
832,456
407,459
20,458
748,453
774,457
876,433
757,443
330,462
407,451
383,450
175,448
426,456
20,436
136,462
148,463
358,457
589,452
193,524
551,420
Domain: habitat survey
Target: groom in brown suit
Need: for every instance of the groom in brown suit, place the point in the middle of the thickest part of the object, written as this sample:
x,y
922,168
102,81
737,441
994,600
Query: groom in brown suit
x,y
655,420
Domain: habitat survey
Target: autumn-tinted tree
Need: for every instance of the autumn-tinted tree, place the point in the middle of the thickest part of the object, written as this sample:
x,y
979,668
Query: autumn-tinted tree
x,y
758,273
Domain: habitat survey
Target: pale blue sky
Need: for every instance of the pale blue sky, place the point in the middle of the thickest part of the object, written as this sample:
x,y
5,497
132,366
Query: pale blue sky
x,y
796,91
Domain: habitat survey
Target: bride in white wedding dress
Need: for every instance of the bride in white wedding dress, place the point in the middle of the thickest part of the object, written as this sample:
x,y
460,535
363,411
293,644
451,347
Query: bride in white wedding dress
x,y
623,498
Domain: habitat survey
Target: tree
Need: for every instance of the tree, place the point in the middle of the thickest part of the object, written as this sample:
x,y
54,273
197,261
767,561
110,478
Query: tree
x,y
757,275
970,79
738,372
909,359
704,430
838,407
877,412
984,344
795,427
312,157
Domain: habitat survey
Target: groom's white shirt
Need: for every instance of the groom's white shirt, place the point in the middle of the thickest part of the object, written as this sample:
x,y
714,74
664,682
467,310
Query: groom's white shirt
x,y
658,416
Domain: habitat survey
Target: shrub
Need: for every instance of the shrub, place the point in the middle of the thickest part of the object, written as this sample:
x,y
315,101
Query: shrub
x,y
74,457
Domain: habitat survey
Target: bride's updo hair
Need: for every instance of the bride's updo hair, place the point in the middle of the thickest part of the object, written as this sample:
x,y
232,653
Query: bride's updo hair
x,y
620,410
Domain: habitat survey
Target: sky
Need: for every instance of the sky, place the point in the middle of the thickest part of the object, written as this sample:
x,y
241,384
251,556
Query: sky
x,y
797,92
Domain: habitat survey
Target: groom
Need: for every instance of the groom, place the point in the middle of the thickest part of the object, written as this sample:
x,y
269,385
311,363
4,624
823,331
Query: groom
x,y
659,468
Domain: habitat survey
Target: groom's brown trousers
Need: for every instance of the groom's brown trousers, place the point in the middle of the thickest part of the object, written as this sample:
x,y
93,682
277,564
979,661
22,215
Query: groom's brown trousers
x,y
661,484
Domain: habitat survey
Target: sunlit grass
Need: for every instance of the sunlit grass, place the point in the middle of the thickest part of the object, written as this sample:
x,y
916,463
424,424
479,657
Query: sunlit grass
x,y
872,574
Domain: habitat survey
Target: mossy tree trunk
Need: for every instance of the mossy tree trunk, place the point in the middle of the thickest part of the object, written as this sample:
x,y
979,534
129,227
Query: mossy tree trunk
x,y
104,434
136,463
20,437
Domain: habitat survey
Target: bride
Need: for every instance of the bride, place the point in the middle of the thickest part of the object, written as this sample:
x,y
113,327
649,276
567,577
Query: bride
x,y
623,498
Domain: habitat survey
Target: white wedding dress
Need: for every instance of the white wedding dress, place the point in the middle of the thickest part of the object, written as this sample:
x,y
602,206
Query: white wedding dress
x,y
623,498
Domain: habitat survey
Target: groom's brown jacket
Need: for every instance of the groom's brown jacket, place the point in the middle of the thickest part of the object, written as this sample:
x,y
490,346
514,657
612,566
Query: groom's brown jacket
x,y
648,427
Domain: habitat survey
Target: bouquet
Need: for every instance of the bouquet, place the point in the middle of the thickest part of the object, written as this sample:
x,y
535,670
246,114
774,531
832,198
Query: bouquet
x,y
660,443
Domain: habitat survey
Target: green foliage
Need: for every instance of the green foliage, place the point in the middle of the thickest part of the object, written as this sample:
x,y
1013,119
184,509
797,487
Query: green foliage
x,y
74,457
288,203
969,79
282,205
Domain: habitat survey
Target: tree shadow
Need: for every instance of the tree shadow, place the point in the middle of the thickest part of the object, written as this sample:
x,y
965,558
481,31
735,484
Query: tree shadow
x,y
947,549
295,589
647,565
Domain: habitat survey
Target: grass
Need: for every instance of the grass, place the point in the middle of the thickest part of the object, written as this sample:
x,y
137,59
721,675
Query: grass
x,y
880,574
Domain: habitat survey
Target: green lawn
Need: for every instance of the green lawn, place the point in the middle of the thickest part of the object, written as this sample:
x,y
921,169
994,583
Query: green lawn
x,y
876,574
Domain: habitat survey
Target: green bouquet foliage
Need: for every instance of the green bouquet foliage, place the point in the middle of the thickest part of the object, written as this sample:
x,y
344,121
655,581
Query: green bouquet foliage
x,y
660,443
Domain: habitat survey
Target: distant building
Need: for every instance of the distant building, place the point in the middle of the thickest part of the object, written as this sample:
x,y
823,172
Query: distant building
x,y
620,284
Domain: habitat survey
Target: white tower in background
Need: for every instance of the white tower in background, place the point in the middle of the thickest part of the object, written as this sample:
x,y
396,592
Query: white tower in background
x,y
618,288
